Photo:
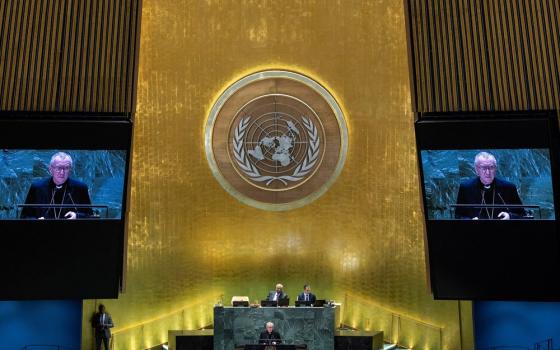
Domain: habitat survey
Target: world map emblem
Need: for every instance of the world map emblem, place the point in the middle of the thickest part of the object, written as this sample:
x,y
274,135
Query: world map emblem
x,y
276,140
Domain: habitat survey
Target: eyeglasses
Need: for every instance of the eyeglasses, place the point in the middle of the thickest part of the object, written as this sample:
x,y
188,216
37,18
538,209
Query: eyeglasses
x,y
490,168
60,169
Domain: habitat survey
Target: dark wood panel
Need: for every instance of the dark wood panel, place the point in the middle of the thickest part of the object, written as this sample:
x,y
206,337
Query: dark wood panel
x,y
484,55
68,55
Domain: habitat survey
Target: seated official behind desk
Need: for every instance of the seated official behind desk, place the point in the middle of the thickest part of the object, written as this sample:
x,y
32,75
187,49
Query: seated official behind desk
x,y
269,336
306,295
278,294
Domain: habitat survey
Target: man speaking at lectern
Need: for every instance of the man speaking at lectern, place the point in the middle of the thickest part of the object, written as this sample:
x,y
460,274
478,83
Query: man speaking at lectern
x,y
58,189
270,336
486,190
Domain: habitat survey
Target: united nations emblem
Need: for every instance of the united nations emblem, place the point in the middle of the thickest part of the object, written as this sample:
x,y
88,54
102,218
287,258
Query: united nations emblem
x,y
276,150
276,140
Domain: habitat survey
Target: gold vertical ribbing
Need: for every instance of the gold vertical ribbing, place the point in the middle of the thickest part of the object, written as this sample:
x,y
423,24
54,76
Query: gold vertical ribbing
x,y
551,31
484,55
68,55
451,60
547,73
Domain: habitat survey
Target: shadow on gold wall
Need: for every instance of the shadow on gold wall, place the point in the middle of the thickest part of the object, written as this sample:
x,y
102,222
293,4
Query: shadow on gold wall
x,y
190,242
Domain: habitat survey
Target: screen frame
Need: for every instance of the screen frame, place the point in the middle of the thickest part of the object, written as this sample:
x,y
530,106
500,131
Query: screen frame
x,y
425,207
67,131
454,131
452,128
71,152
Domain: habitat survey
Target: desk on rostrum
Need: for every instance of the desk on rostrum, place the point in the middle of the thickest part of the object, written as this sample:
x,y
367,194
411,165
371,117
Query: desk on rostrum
x,y
272,347
239,326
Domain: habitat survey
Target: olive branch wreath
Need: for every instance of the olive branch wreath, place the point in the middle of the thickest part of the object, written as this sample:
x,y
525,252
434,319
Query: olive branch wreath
x,y
251,170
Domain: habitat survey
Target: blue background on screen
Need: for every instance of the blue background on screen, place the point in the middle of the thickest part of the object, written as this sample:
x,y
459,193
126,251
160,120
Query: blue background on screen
x,y
528,169
41,323
102,171
509,324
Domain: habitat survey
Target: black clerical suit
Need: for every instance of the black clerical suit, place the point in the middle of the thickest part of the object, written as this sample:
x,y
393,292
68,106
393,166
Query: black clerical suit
x,y
72,192
499,192
102,323
310,297
268,338
280,296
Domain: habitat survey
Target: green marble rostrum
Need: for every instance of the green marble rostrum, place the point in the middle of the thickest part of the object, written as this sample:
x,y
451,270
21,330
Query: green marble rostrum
x,y
237,326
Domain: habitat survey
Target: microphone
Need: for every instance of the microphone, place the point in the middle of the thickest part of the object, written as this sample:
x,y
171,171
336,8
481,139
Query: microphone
x,y
482,202
272,339
51,203
502,199
72,200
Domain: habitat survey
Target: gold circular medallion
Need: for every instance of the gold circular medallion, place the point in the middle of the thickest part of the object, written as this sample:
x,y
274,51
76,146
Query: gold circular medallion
x,y
276,140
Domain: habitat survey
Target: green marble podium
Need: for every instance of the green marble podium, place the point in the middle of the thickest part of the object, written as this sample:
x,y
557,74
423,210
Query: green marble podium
x,y
236,326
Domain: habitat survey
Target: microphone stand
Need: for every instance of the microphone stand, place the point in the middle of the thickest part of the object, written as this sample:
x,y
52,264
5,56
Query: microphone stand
x,y
72,200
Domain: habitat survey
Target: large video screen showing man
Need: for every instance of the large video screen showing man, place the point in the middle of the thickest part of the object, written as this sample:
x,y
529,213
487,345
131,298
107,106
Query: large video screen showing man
x,y
500,184
61,185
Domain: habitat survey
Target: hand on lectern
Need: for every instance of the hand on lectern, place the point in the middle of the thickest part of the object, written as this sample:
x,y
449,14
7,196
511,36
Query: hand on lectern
x,y
503,216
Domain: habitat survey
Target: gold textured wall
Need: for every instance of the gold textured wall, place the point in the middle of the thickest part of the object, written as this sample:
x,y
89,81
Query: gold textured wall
x,y
360,243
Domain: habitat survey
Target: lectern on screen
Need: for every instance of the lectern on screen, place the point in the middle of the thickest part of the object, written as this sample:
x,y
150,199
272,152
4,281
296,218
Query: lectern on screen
x,y
63,181
490,187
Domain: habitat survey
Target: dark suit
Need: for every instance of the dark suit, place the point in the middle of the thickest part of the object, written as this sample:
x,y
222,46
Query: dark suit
x,y
268,338
500,192
311,297
102,327
45,192
273,293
